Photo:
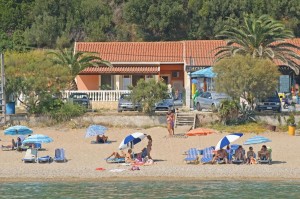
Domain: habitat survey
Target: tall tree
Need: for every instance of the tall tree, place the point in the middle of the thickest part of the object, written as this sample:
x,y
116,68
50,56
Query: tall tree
x,y
76,62
246,77
261,37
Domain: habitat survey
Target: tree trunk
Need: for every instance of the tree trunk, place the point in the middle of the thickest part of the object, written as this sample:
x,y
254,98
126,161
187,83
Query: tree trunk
x,y
73,85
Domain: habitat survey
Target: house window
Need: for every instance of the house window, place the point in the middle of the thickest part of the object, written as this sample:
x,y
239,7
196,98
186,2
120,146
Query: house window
x,y
175,74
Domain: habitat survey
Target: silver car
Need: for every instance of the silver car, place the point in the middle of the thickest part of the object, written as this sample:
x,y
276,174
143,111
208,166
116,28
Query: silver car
x,y
210,100
166,104
125,104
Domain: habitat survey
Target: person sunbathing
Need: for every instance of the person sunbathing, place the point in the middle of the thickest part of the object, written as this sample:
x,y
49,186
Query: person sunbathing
x,y
101,139
251,156
127,156
263,154
14,144
220,155
239,154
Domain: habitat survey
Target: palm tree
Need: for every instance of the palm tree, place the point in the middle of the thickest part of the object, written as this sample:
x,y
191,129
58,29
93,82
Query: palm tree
x,y
261,37
76,62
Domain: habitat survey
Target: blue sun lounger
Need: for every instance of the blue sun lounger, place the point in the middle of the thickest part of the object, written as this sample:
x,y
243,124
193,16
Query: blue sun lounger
x,y
45,159
60,155
115,160
207,155
192,156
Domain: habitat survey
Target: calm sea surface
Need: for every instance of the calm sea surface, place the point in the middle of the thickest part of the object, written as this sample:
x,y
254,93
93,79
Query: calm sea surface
x,y
150,189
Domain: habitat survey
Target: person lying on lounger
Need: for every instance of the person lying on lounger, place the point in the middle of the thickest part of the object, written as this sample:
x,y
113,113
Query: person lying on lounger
x,y
127,156
220,155
101,139
263,154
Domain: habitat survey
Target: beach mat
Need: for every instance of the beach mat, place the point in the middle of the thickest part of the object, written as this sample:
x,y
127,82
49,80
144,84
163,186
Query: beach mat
x,y
177,136
94,142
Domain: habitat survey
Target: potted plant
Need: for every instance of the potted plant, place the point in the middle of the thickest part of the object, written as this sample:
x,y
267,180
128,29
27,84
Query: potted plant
x,y
291,124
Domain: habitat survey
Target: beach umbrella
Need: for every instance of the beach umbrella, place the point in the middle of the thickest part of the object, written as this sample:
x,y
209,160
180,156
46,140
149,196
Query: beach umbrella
x,y
256,140
38,138
227,140
199,132
94,130
132,139
18,130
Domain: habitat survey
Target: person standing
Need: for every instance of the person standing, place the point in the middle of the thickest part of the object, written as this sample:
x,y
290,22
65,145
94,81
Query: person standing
x,y
170,123
149,146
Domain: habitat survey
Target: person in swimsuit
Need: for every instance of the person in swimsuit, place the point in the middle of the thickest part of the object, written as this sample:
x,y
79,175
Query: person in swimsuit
x,y
170,123
149,146
127,156
101,139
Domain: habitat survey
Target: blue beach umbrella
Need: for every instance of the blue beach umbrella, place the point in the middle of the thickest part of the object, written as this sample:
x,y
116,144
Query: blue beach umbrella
x,y
256,140
38,138
94,130
227,140
18,130
132,139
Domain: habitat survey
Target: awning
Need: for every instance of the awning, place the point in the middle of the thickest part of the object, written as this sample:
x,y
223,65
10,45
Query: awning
x,y
121,70
207,72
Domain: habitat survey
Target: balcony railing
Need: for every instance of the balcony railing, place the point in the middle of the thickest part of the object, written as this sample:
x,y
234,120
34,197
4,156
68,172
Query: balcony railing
x,y
99,95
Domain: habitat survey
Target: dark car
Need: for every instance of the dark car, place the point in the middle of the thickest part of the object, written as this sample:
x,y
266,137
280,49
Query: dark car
x,y
125,104
81,99
272,103
166,104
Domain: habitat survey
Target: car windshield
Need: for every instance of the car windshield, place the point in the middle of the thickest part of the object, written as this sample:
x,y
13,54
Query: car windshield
x,y
79,96
125,96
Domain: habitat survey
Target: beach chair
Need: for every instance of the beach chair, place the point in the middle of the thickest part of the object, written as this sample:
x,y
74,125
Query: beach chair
x,y
30,156
192,156
60,155
45,159
207,155
95,142
233,159
265,160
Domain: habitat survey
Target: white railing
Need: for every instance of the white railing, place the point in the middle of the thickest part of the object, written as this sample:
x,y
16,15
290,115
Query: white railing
x,y
99,95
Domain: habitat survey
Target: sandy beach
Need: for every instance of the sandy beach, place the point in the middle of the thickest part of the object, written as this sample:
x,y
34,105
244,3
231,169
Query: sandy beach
x,y
84,158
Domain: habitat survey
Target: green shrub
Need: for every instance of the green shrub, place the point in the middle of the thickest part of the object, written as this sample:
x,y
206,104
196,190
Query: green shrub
x,y
66,112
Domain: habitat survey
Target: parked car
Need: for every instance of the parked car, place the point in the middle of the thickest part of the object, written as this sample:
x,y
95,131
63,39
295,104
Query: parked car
x,y
125,104
166,104
210,100
178,100
81,99
271,103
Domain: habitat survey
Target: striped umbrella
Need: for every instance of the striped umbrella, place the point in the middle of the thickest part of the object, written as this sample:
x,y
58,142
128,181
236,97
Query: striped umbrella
x,y
227,140
256,140
38,138
132,139
94,130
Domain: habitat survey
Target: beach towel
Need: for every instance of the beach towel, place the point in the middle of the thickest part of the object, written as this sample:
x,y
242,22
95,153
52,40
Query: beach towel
x,y
116,170
115,160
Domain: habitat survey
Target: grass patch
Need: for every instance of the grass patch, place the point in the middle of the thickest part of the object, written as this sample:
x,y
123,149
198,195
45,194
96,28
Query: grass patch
x,y
243,128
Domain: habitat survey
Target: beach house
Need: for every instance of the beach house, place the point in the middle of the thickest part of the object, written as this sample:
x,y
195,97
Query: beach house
x,y
171,61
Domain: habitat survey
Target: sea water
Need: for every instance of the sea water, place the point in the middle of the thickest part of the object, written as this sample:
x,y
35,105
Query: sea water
x,y
152,189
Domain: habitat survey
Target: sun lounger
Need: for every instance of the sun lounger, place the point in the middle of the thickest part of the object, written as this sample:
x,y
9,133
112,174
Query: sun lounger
x,y
115,160
60,155
45,159
207,155
192,156
264,160
30,156
6,148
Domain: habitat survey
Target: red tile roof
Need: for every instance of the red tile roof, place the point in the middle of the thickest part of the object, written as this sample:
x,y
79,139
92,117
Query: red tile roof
x,y
135,51
193,52
122,70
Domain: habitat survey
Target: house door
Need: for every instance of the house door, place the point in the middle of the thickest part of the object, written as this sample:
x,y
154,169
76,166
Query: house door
x,y
126,82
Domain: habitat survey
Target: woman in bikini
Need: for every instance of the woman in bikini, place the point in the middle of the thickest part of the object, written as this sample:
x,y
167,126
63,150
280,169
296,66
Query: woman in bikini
x,y
149,146
170,123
